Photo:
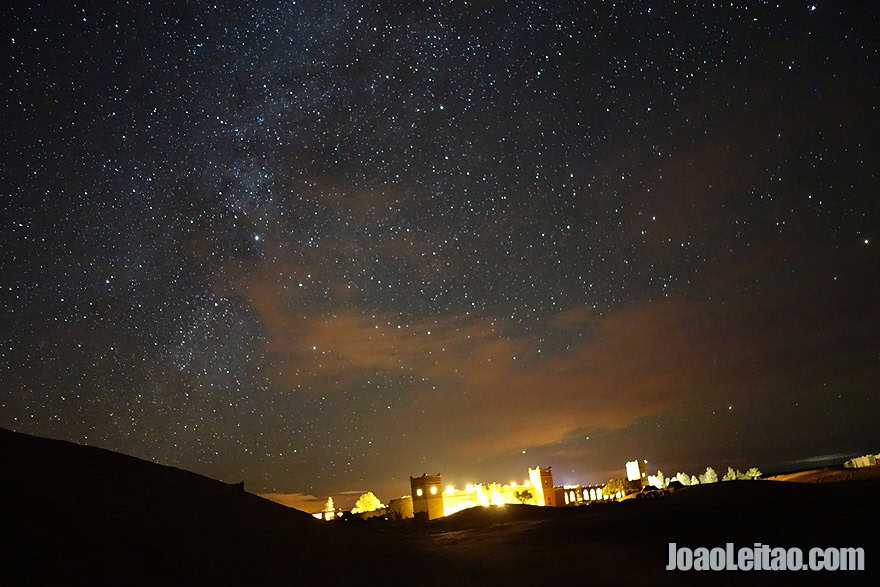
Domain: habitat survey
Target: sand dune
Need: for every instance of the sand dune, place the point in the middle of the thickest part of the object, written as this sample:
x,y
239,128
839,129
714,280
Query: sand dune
x,y
79,515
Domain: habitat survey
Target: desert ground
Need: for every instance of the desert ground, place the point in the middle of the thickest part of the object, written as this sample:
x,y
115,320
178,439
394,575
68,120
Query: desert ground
x,y
77,515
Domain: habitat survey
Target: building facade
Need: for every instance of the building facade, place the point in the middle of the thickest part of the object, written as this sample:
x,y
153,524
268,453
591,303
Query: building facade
x,y
427,496
541,479
429,500
637,472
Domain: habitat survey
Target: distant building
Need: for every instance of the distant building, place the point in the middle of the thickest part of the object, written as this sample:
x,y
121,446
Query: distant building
x,y
427,496
637,471
401,508
570,495
542,482
861,462
431,501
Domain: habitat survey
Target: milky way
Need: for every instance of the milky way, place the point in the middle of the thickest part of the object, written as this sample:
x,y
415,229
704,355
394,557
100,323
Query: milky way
x,y
323,246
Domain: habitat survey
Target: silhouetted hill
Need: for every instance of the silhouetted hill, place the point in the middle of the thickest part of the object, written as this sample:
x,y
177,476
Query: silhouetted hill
x,y
75,514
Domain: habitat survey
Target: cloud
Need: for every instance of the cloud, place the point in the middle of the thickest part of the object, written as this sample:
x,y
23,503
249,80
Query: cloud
x,y
301,501
477,387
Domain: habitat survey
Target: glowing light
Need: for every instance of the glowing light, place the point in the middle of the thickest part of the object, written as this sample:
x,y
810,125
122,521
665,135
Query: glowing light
x,y
450,508
495,497
434,490
538,493
482,498
632,471
419,492
450,489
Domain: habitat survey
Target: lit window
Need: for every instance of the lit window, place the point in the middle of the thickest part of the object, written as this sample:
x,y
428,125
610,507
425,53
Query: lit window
x,y
571,495
434,490
566,497
419,492
593,493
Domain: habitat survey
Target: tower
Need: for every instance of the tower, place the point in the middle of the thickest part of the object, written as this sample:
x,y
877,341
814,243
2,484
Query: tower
x,y
427,496
542,484
637,471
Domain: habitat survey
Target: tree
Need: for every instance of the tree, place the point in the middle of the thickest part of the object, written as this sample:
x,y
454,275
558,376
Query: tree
x,y
329,507
613,486
694,480
731,474
752,473
683,478
524,496
367,503
658,480
710,476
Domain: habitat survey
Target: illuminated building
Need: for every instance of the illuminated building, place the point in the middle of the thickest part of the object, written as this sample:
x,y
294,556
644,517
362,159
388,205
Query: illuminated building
x,y
570,495
329,512
430,500
637,471
861,462
453,500
427,496
542,481
401,508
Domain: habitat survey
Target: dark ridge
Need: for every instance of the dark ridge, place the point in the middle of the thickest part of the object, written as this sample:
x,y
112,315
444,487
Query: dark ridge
x,y
76,514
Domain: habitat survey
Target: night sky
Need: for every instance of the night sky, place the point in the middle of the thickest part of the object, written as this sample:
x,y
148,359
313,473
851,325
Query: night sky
x,y
323,246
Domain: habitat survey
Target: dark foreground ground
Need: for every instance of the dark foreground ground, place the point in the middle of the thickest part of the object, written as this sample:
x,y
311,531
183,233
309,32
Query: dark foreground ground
x,y
78,515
